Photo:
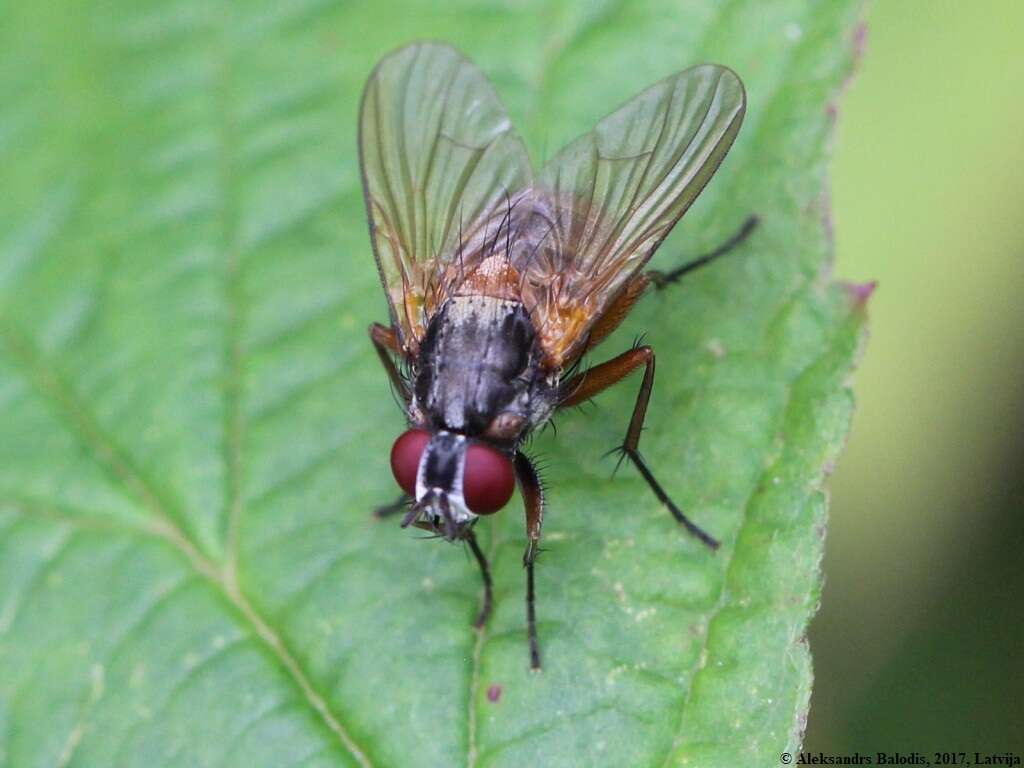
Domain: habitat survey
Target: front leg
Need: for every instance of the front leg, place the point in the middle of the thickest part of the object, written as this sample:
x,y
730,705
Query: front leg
x,y
485,575
401,504
533,499
586,385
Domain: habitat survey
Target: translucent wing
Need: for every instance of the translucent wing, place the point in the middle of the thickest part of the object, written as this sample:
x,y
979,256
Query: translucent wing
x,y
604,204
438,157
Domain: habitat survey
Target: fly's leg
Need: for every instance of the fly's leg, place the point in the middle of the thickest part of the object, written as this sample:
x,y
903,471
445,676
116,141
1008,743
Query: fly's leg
x,y
638,285
387,510
586,385
533,499
664,279
385,341
485,574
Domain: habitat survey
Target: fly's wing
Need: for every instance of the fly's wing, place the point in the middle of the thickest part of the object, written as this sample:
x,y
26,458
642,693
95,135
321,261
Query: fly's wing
x,y
438,155
604,204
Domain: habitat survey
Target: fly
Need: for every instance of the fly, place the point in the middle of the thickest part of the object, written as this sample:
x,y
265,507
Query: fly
x,y
499,279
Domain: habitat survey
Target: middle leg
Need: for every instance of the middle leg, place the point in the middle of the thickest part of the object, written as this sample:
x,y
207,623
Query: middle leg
x,y
589,383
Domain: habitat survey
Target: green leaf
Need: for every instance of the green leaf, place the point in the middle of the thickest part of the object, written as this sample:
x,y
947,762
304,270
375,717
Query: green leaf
x,y
194,428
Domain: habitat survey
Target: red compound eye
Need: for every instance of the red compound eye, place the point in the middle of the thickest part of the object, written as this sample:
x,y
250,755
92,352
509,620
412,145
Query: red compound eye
x,y
405,458
487,482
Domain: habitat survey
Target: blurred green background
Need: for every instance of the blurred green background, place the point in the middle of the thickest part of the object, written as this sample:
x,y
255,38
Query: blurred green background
x,y
918,644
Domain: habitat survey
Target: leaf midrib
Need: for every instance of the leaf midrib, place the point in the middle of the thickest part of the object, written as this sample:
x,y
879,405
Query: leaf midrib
x,y
233,300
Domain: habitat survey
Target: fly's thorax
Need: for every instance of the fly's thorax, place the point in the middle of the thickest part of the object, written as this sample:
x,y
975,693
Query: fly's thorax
x,y
478,372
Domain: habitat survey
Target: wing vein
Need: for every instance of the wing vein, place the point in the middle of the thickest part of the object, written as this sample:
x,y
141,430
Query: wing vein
x,y
467,157
619,190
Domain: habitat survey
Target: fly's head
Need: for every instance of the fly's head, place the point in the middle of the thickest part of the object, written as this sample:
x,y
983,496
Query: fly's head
x,y
479,389
451,479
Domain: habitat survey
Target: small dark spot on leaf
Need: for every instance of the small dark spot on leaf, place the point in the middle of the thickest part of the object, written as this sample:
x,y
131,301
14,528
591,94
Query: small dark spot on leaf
x,y
494,693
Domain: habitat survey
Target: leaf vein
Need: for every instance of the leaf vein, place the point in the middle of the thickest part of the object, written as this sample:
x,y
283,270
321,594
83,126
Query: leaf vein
x,y
166,524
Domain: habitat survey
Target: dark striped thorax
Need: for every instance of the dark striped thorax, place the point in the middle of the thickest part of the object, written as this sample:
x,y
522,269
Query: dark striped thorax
x,y
479,371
